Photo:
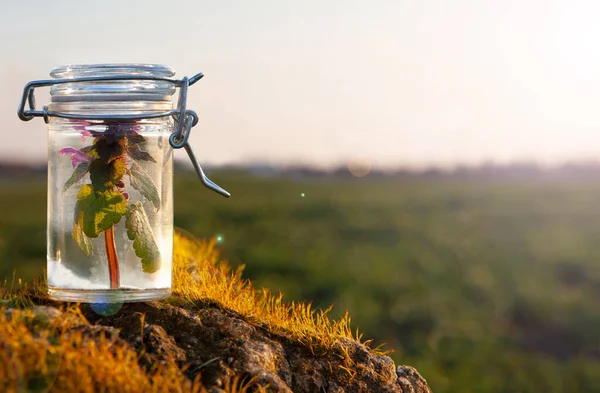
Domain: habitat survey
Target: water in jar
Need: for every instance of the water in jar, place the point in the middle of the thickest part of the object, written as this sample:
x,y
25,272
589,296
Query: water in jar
x,y
79,266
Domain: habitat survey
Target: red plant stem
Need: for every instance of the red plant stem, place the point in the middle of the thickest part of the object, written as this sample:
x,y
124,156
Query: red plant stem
x,y
113,259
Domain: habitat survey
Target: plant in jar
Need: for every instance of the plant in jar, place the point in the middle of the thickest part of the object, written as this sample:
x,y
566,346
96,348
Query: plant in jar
x,y
102,203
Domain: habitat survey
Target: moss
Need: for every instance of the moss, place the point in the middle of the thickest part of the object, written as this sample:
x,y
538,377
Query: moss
x,y
40,353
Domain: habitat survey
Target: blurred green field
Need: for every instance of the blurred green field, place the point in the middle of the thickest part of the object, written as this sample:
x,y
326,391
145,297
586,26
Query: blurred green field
x,y
483,286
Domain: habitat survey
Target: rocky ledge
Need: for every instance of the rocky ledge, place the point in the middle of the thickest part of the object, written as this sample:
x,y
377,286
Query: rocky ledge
x,y
214,344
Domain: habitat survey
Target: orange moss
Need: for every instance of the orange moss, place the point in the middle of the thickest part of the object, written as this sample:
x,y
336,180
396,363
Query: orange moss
x,y
199,274
63,361
51,359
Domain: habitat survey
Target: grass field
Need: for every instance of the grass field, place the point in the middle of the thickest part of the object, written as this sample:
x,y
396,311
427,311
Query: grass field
x,y
483,286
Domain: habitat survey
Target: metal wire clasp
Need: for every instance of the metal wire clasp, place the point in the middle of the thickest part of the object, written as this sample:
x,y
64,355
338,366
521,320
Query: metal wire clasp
x,y
184,119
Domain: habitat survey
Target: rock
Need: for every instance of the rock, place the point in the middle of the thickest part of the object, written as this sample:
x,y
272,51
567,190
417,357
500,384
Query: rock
x,y
411,381
219,344
41,316
45,314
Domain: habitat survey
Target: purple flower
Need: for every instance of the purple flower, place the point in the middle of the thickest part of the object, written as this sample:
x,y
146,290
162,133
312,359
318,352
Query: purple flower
x,y
85,133
77,156
81,126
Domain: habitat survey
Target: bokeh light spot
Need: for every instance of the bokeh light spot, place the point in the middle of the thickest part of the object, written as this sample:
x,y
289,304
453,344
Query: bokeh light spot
x,y
359,167
220,238
106,309
302,195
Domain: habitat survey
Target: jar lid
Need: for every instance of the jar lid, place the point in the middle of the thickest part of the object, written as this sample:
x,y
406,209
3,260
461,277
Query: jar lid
x,y
122,92
112,90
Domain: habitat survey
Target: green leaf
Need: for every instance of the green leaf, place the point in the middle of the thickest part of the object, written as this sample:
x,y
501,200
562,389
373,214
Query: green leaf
x,y
84,242
77,175
134,137
100,210
138,154
105,175
143,183
138,230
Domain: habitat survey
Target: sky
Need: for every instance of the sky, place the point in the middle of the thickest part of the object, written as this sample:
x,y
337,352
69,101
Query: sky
x,y
393,83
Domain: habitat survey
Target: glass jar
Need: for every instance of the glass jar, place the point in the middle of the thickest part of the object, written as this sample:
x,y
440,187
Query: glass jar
x,y
111,135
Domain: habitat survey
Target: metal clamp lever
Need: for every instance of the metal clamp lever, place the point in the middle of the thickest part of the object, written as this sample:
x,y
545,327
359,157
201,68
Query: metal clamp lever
x,y
178,141
184,119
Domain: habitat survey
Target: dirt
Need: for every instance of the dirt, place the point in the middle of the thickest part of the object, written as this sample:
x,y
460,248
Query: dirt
x,y
216,343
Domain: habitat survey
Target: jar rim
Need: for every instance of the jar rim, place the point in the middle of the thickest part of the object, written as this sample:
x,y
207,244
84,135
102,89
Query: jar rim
x,y
112,90
70,71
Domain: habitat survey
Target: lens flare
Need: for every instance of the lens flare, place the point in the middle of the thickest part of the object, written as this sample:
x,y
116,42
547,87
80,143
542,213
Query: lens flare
x,y
106,309
359,167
